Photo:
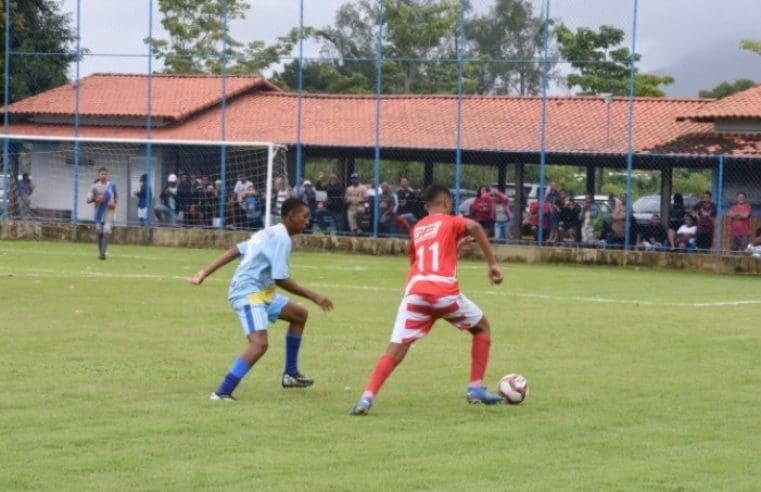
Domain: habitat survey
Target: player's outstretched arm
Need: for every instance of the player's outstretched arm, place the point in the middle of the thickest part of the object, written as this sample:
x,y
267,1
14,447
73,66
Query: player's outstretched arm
x,y
297,289
477,232
226,257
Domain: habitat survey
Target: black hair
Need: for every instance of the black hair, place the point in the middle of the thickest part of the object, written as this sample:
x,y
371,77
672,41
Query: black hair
x,y
434,191
291,204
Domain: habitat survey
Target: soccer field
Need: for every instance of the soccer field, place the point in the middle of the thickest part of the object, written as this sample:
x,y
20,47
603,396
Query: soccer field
x,y
639,380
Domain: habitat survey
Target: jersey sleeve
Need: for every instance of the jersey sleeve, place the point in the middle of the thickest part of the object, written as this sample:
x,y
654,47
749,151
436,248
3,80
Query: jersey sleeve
x,y
242,247
459,226
281,254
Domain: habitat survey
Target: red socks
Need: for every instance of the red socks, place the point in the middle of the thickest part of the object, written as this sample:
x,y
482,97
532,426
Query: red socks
x,y
479,357
383,369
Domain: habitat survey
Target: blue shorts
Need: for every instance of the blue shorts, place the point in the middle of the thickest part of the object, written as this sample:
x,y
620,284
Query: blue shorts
x,y
257,316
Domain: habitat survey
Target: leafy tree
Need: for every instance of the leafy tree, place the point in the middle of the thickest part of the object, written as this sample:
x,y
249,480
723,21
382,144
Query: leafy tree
x,y
603,65
507,33
727,89
37,26
196,34
751,45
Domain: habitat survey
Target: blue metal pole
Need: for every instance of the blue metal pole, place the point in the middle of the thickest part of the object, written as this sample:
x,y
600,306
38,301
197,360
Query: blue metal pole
x,y
719,205
6,100
149,122
378,80
630,136
223,127
543,134
299,102
458,117
75,207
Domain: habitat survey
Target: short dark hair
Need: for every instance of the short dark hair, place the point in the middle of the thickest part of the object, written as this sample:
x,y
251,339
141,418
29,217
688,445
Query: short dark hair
x,y
102,169
290,204
434,191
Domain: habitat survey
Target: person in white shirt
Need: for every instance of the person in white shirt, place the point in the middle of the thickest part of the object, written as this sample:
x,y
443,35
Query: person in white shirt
x,y
686,234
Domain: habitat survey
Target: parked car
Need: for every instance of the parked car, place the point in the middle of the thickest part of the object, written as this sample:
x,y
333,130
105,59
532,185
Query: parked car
x,y
644,207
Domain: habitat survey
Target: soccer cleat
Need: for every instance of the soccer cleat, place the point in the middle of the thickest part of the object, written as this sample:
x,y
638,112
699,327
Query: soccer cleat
x,y
362,406
217,397
296,380
101,257
482,395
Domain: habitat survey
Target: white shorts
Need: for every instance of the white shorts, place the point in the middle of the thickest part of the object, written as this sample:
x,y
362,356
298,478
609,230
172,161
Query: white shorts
x,y
417,313
142,213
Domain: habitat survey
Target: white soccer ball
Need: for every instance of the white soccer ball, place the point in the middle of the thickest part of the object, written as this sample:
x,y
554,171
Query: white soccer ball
x,y
513,388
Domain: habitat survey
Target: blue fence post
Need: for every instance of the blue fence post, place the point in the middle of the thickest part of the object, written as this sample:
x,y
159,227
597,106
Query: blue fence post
x,y
719,205
6,120
458,117
630,132
378,81
75,205
149,123
299,103
223,128
543,127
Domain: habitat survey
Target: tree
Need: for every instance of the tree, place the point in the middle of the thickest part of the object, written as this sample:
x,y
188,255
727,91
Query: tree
x,y
727,89
603,65
39,28
419,44
507,33
196,35
751,45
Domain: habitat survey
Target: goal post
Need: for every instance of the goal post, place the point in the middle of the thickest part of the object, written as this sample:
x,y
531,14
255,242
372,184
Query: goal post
x,y
63,169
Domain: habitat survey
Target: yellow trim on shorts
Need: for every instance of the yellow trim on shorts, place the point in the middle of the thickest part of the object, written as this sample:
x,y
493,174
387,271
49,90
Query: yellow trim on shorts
x,y
263,296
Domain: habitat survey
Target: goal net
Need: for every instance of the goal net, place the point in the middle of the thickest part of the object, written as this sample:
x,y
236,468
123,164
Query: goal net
x,y
202,184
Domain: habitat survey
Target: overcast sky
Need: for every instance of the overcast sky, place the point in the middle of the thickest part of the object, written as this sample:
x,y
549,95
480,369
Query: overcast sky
x,y
696,41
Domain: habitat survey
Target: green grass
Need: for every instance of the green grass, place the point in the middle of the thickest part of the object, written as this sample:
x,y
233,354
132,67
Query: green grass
x,y
640,380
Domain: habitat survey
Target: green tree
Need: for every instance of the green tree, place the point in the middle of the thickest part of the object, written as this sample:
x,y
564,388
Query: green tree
x,y
419,46
196,36
603,65
44,35
727,89
751,45
503,45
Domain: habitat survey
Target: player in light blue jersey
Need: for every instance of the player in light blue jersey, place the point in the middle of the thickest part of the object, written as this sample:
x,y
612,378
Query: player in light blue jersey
x,y
264,260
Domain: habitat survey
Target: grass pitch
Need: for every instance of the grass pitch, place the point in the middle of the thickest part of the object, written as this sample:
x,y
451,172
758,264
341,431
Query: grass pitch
x,y
639,380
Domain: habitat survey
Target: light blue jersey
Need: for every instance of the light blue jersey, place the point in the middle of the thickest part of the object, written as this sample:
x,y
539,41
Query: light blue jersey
x,y
264,259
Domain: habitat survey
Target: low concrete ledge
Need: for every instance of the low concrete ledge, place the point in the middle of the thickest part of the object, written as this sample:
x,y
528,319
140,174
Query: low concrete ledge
x,y
213,238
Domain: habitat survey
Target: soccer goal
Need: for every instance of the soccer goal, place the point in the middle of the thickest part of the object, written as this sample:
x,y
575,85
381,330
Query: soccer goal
x,y
63,169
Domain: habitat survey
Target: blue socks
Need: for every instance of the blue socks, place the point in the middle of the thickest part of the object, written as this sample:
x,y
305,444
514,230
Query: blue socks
x,y
292,345
238,370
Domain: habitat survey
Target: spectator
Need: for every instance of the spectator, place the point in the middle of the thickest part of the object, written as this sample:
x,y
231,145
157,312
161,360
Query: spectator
x,y
653,236
591,221
356,197
552,197
406,198
309,196
482,209
705,213
241,187
739,226
387,204
503,216
24,189
253,208
754,248
569,223
617,233
676,218
281,191
533,219
686,235
335,199
142,199
166,213
184,197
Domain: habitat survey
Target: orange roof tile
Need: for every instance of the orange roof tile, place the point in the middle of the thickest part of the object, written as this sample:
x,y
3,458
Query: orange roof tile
x,y
173,97
488,123
745,104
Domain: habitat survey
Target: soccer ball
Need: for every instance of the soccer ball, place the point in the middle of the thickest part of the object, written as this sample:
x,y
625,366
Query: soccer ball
x,y
513,388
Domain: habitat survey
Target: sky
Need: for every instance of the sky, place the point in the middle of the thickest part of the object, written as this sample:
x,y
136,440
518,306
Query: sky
x,y
695,41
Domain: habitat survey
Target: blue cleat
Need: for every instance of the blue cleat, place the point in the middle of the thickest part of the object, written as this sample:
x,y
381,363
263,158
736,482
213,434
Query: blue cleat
x,y
482,395
362,406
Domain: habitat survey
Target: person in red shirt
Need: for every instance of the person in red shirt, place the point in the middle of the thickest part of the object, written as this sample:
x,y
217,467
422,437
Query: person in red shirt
x,y
739,226
431,292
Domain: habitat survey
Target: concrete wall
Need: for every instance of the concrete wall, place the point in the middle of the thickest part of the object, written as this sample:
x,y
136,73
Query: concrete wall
x,y
206,238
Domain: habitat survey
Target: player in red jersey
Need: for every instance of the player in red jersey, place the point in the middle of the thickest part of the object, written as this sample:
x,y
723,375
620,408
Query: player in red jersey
x,y
432,292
